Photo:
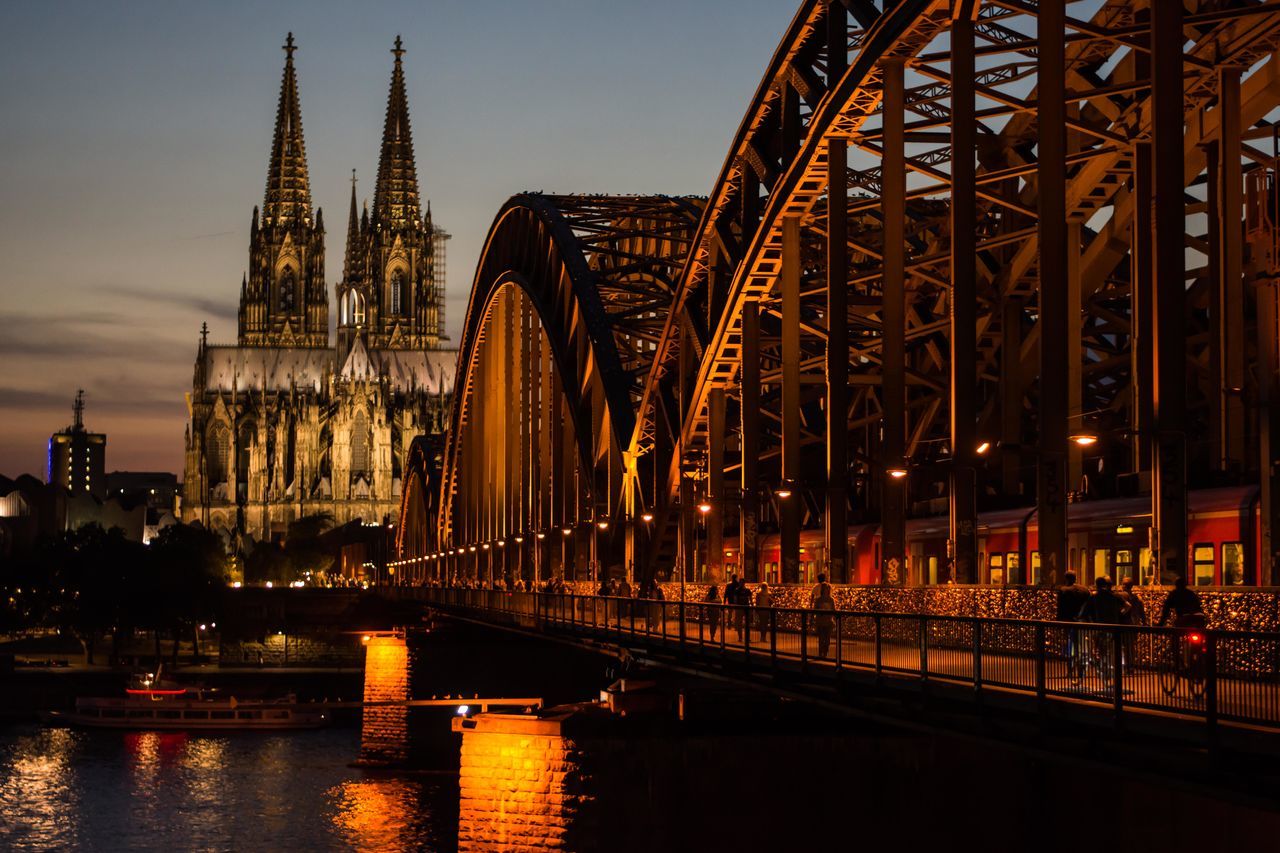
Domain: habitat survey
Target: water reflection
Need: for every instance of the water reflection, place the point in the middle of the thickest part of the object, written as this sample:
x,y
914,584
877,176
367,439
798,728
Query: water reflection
x,y
376,813
38,797
65,790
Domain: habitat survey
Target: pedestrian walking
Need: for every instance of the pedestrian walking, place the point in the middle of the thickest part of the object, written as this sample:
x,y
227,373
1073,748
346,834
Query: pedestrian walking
x,y
824,619
712,609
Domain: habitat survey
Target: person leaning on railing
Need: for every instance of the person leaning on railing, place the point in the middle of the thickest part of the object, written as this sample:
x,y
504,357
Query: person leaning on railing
x,y
764,604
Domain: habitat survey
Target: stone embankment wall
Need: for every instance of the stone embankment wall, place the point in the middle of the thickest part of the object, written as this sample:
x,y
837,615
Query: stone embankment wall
x,y
329,649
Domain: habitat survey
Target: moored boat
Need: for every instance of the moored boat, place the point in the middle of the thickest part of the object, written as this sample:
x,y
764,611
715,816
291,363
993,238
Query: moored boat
x,y
154,703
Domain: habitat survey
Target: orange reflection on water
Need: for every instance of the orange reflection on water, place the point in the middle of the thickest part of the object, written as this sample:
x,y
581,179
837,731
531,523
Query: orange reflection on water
x,y
375,813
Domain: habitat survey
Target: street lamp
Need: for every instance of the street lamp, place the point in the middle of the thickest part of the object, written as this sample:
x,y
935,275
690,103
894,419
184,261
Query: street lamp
x,y
704,506
603,524
1084,439
541,535
896,473
784,490
646,517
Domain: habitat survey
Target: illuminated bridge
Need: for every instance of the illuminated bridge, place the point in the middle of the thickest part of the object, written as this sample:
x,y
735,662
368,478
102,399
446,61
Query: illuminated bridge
x,y
984,289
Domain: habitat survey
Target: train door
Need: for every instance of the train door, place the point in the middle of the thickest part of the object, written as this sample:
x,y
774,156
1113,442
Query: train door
x,y
1146,575
1202,564
1013,567
1232,563
1101,565
1124,564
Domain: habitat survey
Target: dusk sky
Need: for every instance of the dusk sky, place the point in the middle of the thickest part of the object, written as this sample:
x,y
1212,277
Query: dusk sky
x,y
135,140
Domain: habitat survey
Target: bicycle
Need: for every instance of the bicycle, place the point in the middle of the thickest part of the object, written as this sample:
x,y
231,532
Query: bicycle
x,y
1187,649
1093,651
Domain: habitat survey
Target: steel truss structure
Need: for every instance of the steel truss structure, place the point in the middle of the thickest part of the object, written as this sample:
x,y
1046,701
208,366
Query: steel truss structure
x,y
943,226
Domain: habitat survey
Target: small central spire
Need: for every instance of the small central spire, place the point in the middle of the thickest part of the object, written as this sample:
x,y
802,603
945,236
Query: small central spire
x,y
289,47
398,50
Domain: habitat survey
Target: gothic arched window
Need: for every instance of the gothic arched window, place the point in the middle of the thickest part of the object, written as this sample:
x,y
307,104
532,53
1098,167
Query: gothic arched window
x,y
287,286
219,454
397,291
353,308
360,444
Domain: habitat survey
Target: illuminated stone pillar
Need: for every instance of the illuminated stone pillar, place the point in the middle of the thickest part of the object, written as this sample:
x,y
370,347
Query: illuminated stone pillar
x,y
384,730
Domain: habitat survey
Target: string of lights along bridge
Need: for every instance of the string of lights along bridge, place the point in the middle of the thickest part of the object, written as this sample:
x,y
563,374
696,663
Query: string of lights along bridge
x,y
984,291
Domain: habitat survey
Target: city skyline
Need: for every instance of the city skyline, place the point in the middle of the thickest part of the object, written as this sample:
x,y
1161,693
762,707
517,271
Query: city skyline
x,y
139,146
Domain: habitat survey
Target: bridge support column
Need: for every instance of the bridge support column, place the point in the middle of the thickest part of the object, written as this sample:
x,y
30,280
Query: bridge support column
x,y
1054,308
714,520
1229,302
835,521
749,440
791,507
962,492
1169,406
893,523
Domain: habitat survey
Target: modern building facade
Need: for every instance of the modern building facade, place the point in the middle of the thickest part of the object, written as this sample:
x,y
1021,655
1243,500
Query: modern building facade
x,y
77,457
284,424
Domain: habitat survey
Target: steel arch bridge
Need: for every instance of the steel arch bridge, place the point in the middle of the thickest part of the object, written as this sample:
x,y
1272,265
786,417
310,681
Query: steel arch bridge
x,y
948,236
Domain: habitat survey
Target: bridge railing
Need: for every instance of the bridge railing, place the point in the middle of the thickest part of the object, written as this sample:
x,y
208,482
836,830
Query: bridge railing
x,y
1210,675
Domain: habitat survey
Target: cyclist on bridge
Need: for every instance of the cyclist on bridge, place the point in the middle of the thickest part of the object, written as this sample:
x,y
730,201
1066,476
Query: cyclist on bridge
x,y
1185,606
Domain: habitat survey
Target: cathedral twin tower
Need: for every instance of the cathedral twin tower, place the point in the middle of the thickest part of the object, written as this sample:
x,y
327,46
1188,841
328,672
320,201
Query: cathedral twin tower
x,y
285,424
389,290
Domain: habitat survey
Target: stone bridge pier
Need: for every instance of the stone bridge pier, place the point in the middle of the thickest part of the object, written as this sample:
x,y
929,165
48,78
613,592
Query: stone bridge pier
x,y
384,730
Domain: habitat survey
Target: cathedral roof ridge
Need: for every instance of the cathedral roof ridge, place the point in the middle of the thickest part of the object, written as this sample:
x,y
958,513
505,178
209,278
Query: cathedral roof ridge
x,y
288,195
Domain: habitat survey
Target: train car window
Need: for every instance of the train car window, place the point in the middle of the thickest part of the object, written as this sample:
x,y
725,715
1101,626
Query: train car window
x,y
1035,567
995,569
1145,575
1202,565
1013,564
1232,563
1101,564
1124,564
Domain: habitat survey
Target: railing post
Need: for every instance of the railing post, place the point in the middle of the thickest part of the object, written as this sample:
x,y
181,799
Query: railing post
x,y
804,640
1117,674
1040,664
680,616
722,610
977,658
924,649
773,638
875,619
1211,689
746,637
839,643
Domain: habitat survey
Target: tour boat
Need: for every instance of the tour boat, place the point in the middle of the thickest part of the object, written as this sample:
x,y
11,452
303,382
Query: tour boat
x,y
154,703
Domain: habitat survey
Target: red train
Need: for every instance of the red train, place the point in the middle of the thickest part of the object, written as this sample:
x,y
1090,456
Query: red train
x,y
1104,537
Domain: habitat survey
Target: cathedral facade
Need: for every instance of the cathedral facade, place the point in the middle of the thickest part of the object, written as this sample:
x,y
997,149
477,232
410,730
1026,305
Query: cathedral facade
x,y
286,423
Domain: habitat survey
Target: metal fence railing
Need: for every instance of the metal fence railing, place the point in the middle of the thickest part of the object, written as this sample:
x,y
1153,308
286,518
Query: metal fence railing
x,y
1211,675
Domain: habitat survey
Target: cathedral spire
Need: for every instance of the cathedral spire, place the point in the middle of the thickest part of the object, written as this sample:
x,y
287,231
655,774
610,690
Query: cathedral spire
x,y
353,236
395,196
288,197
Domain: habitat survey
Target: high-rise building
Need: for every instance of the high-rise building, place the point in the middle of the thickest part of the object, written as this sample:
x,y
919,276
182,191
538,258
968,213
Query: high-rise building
x,y
284,424
77,457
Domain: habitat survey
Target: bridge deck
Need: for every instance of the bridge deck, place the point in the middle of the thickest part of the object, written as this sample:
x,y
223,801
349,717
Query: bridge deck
x,y
1235,679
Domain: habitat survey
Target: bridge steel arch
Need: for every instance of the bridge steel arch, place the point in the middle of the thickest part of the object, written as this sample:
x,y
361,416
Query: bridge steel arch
x,y
828,366
943,225
568,299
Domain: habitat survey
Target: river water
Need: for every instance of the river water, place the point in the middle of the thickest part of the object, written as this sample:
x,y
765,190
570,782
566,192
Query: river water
x,y
65,789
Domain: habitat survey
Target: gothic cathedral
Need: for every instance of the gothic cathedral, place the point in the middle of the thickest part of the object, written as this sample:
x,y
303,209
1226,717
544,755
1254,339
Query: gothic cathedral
x,y
284,424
